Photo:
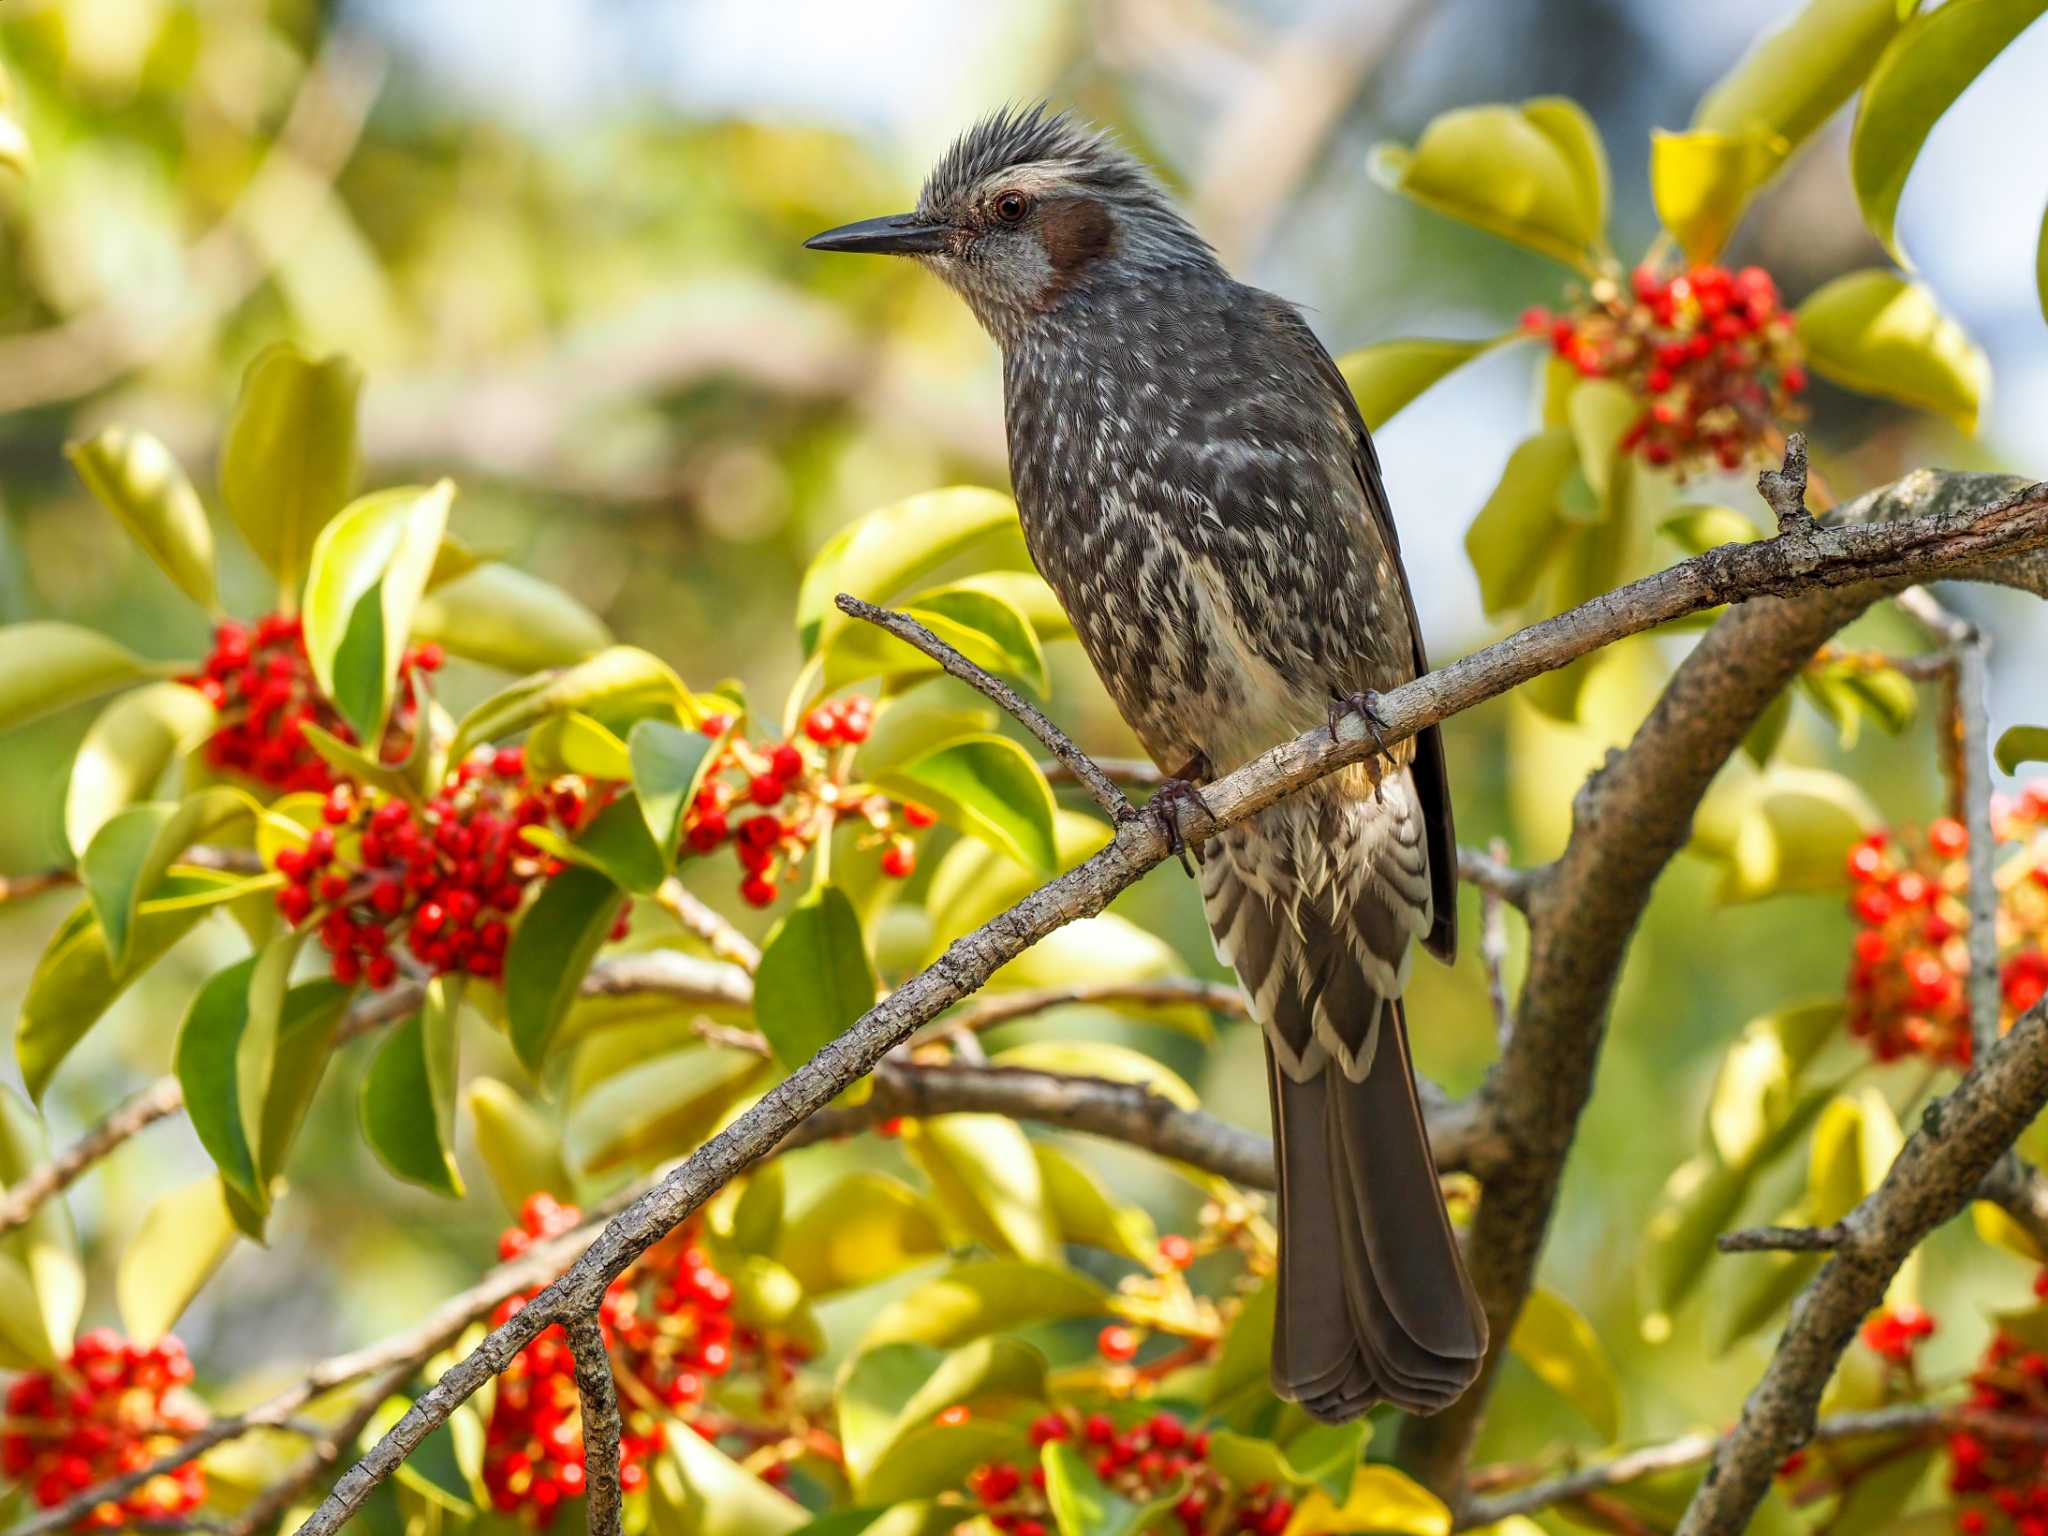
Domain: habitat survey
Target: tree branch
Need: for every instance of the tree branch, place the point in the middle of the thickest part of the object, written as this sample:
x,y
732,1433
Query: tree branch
x,y
1958,534
1783,1239
601,1424
137,1112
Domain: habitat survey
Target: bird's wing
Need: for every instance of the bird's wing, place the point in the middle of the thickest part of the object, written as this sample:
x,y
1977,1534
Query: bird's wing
x,y
1432,784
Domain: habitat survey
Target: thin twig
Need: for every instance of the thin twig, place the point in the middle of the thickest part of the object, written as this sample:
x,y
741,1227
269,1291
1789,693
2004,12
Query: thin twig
x,y
1115,804
1783,1239
1493,948
140,1110
1137,772
601,1425
1972,730
724,940
1784,488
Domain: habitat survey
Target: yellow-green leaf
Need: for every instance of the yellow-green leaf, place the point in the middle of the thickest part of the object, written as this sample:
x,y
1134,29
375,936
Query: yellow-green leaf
x,y
1553,1338
659,1109
130,853
1599,413
1798,826
1382,1500
983,1297
42,1283
986,1180
1702,182
1854,1143
574,742
2041,265
557,938
289,460
45,665
1697,528
982,625
369,567
1514,535
862,1228
183,1239
991,787
126,751
2022,744
520,1147
136,478
698,1490
1323,1455
408,1096
1086,1211
1525,177
1105,1059
1929,64
878,555
892,1390
503,617
1877,333
1388,375
1082,1505
1799,73
614,685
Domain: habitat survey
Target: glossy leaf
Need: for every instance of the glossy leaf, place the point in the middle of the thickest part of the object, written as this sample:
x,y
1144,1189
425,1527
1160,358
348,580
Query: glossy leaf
x,y
1105,1059
932,1459
503,617
1515,533
2020,744
309,1017
1323,1455
862,1228
1879,334
75,981
1799,73
577,743
986,1180
289,460
667,764
1086,1211
1382,1500
42,1282
615,845
1082,1505
1555,1341
986,1296
984,626
1699,527
129,855
1524,176
878,555
408,1096
992,788
206,1057
369,567
520,1147
1247,1347
135,477
888,1391
659,1109
1599,413
697,1490
184,1236
1389,375
1702,183
46,665
1796,829
1854,1142
551,949
1760,1078
610,685
126,751
1930,63
814,979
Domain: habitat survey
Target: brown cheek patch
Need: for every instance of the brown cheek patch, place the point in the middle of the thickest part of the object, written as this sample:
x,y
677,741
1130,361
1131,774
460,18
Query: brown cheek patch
x,y
1075,233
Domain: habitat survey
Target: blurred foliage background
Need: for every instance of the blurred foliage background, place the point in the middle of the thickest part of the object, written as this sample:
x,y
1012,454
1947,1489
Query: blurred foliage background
x,y
562,239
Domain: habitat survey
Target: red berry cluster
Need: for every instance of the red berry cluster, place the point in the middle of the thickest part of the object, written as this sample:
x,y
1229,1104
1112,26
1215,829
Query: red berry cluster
x,y
1911,956
111,1409
1892,1332
1159,1455
260,680
773,802
443,877
1994,1475
669,1328
1712,353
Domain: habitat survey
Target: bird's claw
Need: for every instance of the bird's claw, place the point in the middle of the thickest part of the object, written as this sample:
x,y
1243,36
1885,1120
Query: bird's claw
x,y
1366,706
1166,802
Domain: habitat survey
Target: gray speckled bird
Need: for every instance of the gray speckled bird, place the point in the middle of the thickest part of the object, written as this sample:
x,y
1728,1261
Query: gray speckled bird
x,y
1198,488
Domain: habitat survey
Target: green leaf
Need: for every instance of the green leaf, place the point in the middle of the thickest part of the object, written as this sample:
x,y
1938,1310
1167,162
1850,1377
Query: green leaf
x,y
183,1239
1382,1500
135,477
45,665
758,1213
42,1282
126,751
369,567
1795,77
986,1296
289,460
1854,1143
128,856
1600,412
986,1180
1927,66
408,1097
931,1459
206,1060
309,1017
878,555
668,764
520,1147
862,1228
1087,1214
1698,527
2021,744
1527,176
1388,375
1879,334
1555,1341
697,1490
551,949
886,1392
659,1109
1512,538
984,626
814,979
1105,1059
499,615
578,743
615,845
1247,1347
1702,183
1795,828
1758,1082
1083,1506
612,684
993,789
75,981
1323,1455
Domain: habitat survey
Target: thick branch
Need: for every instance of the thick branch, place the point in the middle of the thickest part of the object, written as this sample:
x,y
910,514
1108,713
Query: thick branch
x,y
1947,540
601,1424
1783,1239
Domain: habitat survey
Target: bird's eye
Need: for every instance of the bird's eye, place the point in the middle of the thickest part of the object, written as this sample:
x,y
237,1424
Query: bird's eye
x,y
1012,206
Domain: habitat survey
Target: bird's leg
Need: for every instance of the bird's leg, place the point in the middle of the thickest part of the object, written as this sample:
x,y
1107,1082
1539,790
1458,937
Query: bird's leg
x,y
1174,791
1366,706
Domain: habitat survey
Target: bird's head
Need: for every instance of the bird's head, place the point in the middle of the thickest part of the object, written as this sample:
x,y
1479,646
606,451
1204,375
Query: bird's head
x,y
1027,209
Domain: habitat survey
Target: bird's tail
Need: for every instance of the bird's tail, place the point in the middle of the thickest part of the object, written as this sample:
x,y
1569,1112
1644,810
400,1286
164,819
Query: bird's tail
x,y
1374,1302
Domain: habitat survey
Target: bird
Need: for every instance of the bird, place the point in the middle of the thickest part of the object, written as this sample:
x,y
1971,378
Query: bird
x,y
1197,487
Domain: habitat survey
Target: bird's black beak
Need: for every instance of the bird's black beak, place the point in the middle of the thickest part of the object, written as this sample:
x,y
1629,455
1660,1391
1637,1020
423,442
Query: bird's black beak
x,y
900,234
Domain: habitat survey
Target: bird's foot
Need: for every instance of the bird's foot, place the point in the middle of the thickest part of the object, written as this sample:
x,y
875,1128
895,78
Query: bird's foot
x,y
1164,807
1366,706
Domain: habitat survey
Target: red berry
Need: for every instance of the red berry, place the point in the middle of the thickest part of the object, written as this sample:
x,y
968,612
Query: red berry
x,y
765,789
1176,1250
785,762
1117,1343
899,860
758,891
